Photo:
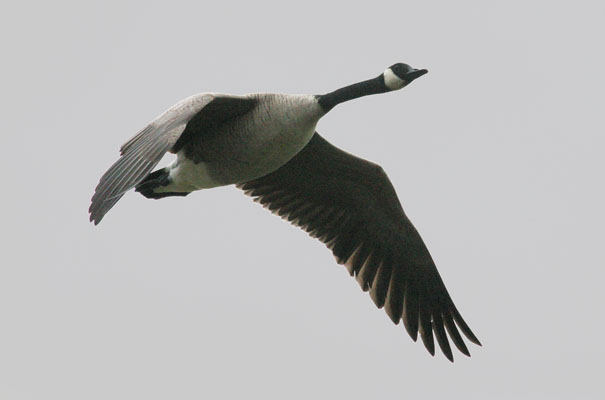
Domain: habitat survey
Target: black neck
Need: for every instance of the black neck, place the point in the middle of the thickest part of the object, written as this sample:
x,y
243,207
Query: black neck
x,y
365,88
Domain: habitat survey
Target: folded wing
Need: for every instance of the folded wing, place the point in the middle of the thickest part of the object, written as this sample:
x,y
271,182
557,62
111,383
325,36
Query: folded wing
x,y
351,206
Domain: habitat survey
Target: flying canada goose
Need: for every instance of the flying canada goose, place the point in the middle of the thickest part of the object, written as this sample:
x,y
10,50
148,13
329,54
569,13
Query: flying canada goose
x,y
267,146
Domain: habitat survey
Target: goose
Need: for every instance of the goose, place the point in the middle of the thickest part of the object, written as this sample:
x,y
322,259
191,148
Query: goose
x,y
267,145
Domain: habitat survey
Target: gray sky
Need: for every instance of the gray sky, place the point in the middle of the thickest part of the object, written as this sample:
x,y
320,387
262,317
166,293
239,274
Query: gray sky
x,y
496,155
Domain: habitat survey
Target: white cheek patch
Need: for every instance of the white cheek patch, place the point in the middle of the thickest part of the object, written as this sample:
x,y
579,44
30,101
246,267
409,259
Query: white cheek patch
x,y
392,81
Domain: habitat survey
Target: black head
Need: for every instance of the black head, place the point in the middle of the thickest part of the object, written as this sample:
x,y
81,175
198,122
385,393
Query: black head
x,y
400,75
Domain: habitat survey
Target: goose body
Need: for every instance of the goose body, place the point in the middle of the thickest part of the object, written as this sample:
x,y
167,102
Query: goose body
x,y
267,145
270,131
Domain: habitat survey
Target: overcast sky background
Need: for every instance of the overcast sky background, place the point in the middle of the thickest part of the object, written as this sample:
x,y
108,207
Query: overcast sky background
x,y
496,155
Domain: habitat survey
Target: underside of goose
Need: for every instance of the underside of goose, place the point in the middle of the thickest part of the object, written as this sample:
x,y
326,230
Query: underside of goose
x,y
267,145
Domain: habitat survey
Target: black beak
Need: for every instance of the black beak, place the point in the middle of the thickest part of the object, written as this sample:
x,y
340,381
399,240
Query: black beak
x,y
413,74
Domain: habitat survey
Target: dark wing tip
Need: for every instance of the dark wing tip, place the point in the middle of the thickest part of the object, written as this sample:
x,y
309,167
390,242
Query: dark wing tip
x,y
464,327
450,326
94,219
441,336
412,332
100,204
96,215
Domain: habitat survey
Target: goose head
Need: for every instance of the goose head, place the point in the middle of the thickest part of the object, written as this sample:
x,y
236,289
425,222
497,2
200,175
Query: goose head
x,y
395,77
400,75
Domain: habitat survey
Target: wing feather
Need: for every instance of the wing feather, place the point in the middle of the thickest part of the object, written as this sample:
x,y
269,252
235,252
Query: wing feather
x,y
143,152
350,205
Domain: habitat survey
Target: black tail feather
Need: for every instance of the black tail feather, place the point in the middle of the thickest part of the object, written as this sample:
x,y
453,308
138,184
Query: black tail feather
x,y
154,180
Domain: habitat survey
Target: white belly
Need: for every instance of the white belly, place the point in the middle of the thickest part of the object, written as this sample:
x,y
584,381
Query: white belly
x,y
187,176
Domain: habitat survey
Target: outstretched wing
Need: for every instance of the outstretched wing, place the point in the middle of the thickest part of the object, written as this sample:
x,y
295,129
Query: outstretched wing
x,y
350,205
143,152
